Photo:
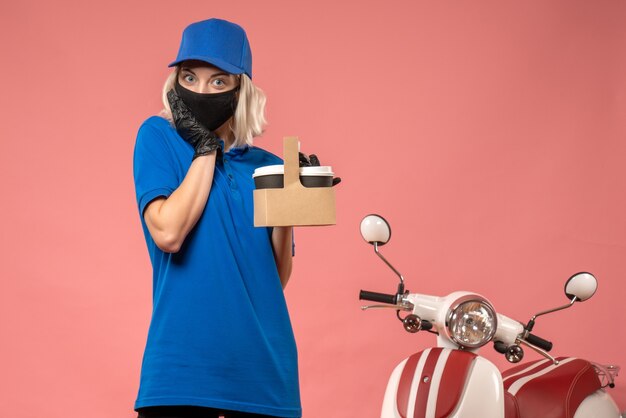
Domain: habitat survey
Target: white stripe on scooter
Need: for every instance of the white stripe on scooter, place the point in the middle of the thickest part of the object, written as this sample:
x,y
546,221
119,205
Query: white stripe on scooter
x,y
415,384
515,387
435,381
532,366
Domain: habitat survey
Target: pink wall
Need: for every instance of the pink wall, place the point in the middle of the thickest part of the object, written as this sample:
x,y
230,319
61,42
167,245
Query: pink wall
x,y
491,134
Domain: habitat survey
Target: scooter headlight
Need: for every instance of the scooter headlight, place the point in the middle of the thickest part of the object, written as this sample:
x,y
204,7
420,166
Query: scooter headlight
x,y
471,321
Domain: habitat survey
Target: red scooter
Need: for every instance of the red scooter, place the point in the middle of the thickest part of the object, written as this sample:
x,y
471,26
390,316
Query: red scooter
x,y
453,380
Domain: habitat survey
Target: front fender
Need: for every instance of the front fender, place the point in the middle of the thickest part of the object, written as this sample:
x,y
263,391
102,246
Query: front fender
x,y
443,382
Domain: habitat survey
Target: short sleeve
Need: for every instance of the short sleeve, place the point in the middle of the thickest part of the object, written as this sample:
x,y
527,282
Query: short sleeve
x,y
154,170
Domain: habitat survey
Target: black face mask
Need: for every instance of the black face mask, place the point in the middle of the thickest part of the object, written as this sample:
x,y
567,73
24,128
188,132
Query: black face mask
x,y
210,109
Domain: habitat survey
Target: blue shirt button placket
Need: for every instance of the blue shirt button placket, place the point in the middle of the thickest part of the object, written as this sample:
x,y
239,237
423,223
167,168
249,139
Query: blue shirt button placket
x,y
229,175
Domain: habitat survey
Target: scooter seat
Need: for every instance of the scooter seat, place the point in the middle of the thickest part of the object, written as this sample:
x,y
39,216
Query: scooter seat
x,y
542,389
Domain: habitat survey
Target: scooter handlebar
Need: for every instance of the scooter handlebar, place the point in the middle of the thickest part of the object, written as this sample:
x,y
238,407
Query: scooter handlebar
x,y
377,297
539,342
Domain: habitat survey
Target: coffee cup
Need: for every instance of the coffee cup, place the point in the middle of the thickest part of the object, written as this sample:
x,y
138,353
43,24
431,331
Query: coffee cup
x,y
272,176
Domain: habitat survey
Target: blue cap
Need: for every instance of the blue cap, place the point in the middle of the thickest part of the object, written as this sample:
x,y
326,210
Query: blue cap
x,y
217,42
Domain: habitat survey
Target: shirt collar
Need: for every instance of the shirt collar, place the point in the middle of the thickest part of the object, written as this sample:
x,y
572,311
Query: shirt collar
x,y
235,150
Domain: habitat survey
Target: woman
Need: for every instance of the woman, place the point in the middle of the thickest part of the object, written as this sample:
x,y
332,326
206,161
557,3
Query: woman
x,y
220,341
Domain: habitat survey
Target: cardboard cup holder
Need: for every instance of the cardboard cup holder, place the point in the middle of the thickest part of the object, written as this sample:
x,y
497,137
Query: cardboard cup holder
x,y
281,199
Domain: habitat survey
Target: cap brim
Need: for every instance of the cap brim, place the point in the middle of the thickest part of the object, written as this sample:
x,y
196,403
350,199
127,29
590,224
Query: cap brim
x,y
223,65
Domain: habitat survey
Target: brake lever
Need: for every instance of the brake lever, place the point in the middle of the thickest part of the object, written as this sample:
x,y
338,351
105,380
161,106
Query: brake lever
x,y
538,350
394,307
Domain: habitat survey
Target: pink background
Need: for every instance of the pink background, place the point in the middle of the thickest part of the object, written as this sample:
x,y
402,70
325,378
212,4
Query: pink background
x,y
490,133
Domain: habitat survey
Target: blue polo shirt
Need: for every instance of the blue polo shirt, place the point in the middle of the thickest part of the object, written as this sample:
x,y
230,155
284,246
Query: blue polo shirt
x,y
220,334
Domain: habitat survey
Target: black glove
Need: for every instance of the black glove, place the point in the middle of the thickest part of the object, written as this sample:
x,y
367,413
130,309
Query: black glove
x,y
313,161
308,160
201,139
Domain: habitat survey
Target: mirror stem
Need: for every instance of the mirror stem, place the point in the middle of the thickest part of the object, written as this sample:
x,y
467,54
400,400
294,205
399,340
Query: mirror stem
x,y
574,299
389,264
531,323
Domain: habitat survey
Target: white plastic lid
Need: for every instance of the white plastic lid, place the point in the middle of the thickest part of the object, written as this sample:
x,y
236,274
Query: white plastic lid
x,y
324,170
269,170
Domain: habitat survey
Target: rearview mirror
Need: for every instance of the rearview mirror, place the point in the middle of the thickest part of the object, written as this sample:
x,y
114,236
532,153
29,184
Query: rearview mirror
x,y
582,285
375,229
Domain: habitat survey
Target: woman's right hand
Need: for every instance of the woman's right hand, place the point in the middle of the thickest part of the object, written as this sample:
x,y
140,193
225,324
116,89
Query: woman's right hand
x,y
169,220
203,140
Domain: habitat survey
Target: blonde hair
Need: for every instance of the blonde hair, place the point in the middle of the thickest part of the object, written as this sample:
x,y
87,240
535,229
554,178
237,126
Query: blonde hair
x,y
249,119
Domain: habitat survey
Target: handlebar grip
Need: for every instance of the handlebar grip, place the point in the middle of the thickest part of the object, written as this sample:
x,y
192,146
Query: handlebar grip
x,y
539,342
377,297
